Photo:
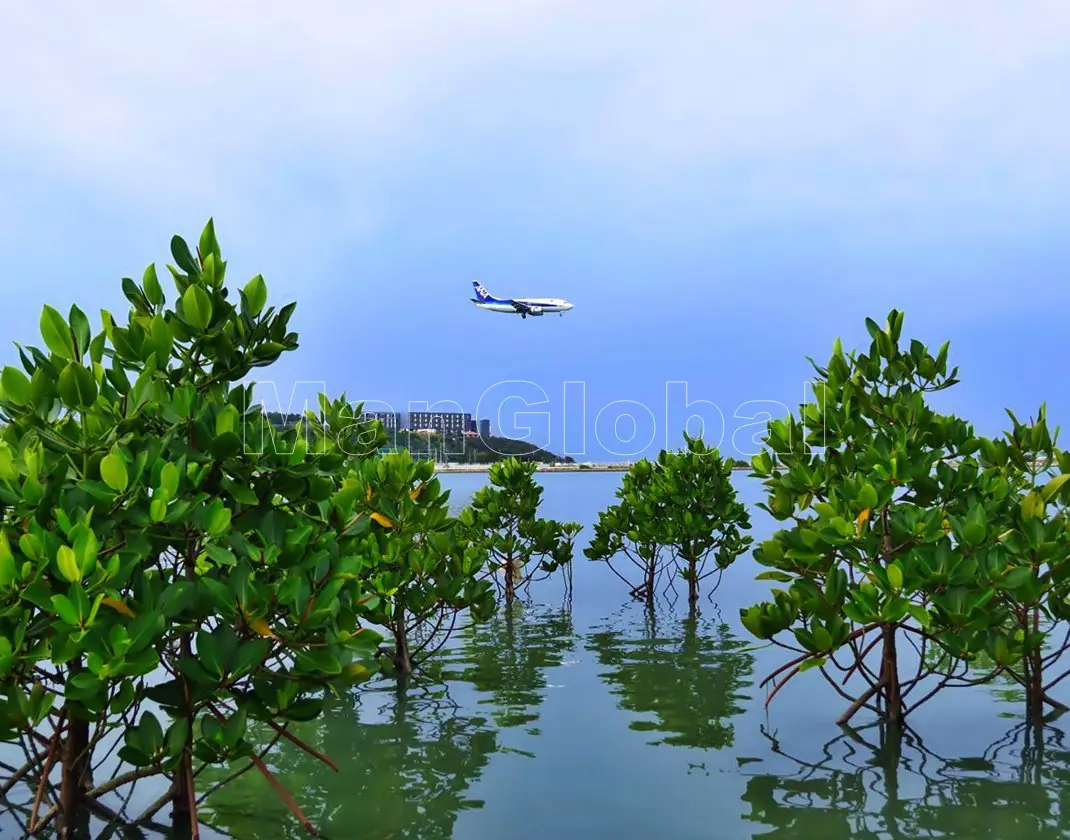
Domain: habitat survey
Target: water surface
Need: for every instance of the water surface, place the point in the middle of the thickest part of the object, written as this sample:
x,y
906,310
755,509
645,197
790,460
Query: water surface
x,y
596,717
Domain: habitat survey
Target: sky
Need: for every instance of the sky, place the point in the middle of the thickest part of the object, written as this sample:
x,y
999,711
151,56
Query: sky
x,y
721,189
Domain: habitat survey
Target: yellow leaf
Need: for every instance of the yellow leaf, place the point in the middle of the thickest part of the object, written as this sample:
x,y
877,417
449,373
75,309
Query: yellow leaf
x,y
356,671
368,495
260,625
382,520
118,606
417,491
862,518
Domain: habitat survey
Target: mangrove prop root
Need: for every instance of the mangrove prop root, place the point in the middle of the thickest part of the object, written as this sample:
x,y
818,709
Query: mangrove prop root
x,y
284,794
859,703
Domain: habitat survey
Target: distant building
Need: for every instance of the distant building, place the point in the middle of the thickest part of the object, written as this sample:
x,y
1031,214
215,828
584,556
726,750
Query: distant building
x,y
484,428
391,420
445,422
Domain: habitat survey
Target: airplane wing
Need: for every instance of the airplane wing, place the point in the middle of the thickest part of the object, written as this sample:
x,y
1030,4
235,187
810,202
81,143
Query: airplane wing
x,y
520,307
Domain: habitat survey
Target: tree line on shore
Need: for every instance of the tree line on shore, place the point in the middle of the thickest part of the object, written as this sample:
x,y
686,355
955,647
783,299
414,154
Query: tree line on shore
x,y
169,573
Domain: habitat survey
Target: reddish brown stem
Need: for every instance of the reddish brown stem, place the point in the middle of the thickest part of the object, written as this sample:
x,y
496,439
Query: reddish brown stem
x,y
863,698
53,746
191,798
860,658
284,795
861,631
787,665
781,684
293,739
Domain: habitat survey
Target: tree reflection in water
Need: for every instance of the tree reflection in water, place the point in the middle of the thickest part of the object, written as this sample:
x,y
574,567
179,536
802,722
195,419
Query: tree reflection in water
x,y
894,788
405,765
507,659
689,673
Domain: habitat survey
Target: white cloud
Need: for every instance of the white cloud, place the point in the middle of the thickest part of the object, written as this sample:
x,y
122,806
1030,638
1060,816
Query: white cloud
x,y
217,101
925,89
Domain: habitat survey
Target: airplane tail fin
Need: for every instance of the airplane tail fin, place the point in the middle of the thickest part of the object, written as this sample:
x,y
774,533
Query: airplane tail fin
x,y
481,291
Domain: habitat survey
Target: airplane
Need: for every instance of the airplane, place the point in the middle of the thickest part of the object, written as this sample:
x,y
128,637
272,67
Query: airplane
x,y
518,306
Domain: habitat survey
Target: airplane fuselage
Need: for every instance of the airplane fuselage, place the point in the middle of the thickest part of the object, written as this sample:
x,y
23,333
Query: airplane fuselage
x,y
535,305
518,306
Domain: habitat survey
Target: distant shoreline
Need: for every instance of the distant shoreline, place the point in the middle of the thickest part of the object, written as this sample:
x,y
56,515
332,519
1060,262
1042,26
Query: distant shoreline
x,y
543,467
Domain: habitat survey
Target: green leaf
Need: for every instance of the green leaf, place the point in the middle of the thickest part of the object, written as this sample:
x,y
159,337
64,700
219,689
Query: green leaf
x,y
113,471
157,508
8,569
82,686
825,510
251,655
867,497
1053,486
77,387
7,465
241,494
218,521
209,275
98,490
782,577
209,655
80,328
304,710
135,296
208,244
822,637
163,340
226,420
197,307
234,728
921,615
196,672
225,446
255,292
1032,505
895,575
1017,577
86,548
16,386
773,551
66,610
150,733
180,251
816,662
220,555
56,333
67,563
169,480
175,741
151,284
973,533
318,660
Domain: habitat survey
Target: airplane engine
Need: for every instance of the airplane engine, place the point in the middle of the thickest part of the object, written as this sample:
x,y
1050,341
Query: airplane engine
x,y
536,310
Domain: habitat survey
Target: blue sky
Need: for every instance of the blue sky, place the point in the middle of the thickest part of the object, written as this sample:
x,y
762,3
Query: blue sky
x,y
720,190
